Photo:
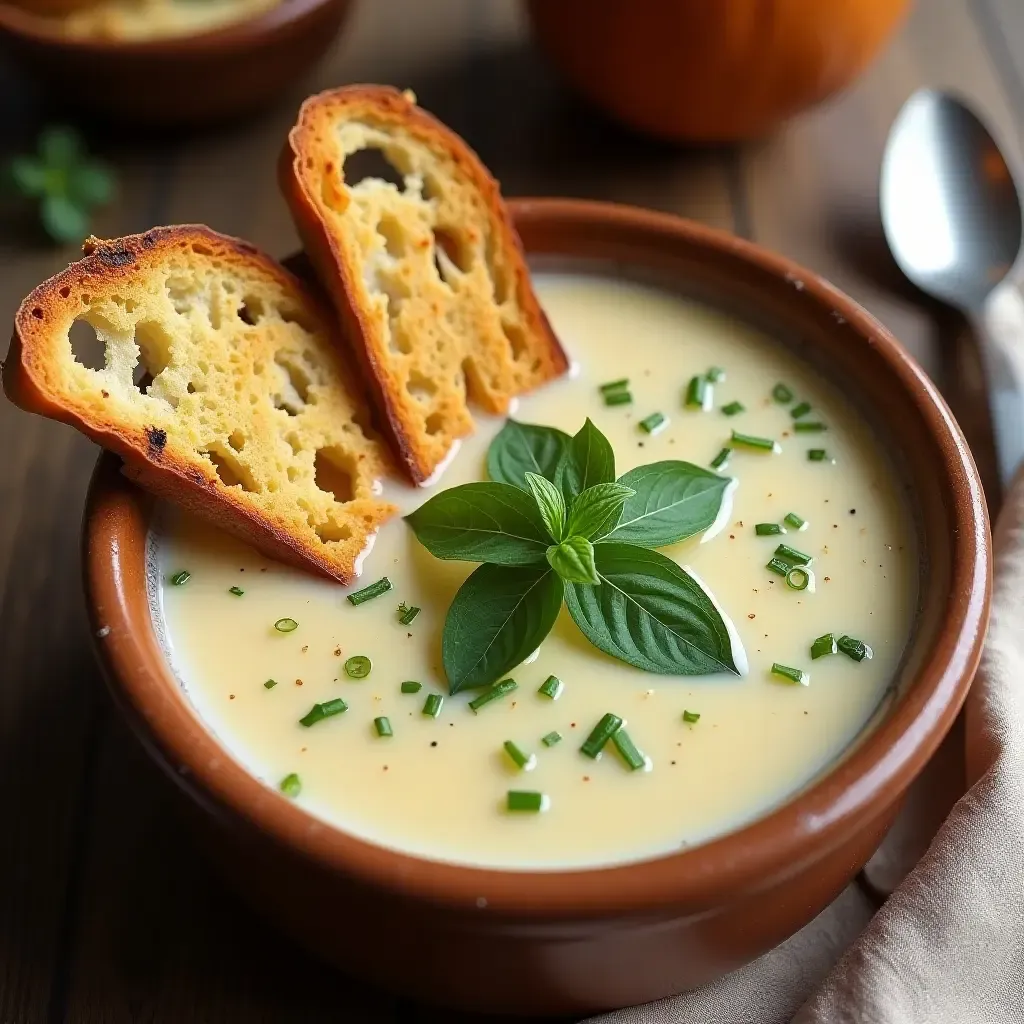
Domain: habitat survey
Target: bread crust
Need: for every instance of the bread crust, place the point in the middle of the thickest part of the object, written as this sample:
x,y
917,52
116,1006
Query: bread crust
x,y
32,380
313,186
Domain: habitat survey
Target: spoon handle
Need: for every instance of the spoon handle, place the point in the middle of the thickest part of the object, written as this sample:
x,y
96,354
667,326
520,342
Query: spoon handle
x,y
1000,332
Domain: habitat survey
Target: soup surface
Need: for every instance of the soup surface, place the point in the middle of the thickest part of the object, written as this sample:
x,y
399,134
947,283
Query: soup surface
x,y
437,786
156,19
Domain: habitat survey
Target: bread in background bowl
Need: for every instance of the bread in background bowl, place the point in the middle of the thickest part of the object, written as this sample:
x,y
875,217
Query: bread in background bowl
x,y
110,68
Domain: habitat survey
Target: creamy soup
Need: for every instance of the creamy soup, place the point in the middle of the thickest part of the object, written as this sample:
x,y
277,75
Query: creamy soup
x,y
437,786
157,19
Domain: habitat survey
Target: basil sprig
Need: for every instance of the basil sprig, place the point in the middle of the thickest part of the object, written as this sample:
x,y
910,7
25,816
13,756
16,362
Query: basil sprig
x,y
552,524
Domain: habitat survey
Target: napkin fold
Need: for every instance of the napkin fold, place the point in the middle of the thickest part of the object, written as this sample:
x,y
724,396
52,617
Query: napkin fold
x,y
947,946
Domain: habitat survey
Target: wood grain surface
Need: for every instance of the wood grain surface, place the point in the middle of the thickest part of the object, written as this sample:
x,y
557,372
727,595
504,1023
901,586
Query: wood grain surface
x,y
107,914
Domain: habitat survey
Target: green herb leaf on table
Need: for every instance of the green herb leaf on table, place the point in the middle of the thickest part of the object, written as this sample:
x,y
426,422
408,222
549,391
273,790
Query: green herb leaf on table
x,y
498,618
522,448
66,184
573,560
60,145
482,522
90,184
597,510
588,460
63,220
550,504
672,500
28,176
652,614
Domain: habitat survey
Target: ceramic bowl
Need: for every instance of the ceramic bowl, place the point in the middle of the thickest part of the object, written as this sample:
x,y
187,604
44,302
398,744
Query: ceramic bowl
x,y
181,80
579,941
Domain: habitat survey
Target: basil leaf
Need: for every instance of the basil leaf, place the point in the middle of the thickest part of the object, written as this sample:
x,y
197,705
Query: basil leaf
x,y
588,460
550,504
649,613
573,560
60,146
498,619
62,220
90,184
482,522
522,447
29,176
673,500
596,511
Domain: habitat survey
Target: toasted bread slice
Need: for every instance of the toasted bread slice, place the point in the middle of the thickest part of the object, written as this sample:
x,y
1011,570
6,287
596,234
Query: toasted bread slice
x,y
249,417
429,278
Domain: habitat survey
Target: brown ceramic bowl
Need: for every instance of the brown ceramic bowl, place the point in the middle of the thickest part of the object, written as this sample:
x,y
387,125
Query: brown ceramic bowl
x,y
182,80
587,940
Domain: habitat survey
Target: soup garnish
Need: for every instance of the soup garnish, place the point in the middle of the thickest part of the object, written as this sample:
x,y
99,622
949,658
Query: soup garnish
x,y
382,586
578,535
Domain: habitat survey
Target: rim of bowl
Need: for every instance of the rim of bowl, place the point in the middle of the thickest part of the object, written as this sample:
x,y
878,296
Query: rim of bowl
x,y
800,830
233,35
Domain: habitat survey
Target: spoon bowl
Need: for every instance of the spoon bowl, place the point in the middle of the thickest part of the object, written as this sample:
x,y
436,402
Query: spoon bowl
x,y
951,212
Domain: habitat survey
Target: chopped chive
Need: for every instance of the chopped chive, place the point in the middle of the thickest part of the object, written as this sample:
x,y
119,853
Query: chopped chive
x,y
767,529
800,410
237,591
382,586
817,454
628,751
782,394
358,666
383,726
809,426
552,738
854,648
733,408
800,578
698,393
270,684
411,686
524,800
823,645
286,625
793,675
691,716
179,579
792,519
777,565
653,423
318,712
432,705
614,385
496,692
291,785
715,375
719,461
551,687
792,555
523,761
406,613
618,398
601,734
764,444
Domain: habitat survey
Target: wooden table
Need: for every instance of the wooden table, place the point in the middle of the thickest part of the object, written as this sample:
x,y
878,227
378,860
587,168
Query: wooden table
x,y
106,911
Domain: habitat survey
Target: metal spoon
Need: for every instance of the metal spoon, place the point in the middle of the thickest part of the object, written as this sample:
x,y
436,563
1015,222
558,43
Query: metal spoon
x,y
952,217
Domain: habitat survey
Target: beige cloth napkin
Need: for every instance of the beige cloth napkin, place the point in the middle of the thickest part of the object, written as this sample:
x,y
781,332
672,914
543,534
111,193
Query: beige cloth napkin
x,y
947,947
